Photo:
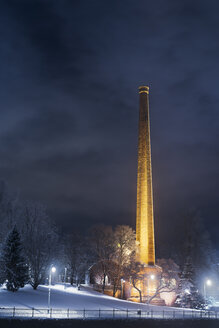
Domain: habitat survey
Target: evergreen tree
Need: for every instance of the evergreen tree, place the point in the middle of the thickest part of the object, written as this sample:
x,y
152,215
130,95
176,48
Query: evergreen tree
x,y
191,298
189,295
198,260
188,274
14,265
198,243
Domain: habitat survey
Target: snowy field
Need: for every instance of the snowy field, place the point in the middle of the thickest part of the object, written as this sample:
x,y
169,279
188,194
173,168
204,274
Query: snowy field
x,y
61,298
84,303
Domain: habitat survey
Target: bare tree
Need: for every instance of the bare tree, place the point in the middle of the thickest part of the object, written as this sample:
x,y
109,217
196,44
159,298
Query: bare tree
x,y
113,250
77,257
135,273
168,280
124,248
101,239
40,240
114,273
71,249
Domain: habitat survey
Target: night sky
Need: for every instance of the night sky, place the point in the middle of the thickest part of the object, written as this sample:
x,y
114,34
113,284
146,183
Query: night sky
x,y
69,108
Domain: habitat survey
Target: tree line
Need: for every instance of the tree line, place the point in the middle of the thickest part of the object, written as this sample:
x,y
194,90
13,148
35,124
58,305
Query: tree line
x,y
30,242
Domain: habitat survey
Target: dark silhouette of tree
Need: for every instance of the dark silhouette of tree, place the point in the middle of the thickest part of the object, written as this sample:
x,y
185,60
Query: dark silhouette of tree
x,y
198,248
134,273
9,210
14,264
40,241
78,257
189,295
101,240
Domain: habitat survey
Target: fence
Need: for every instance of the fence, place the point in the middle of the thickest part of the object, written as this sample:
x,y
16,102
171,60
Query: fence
x,y
106,314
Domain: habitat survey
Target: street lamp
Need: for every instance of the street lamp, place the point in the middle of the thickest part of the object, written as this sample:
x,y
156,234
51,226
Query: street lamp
x,y
65,278
52,270
152,277
122,288
208,283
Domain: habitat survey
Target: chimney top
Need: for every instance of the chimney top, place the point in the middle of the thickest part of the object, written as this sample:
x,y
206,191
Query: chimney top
x,y
143,89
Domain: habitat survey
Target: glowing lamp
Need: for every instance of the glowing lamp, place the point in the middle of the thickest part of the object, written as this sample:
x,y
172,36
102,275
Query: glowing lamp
x,y
208,282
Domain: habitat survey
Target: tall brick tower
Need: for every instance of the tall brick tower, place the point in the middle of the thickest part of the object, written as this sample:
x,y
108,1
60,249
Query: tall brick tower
x,y
150,274
144,210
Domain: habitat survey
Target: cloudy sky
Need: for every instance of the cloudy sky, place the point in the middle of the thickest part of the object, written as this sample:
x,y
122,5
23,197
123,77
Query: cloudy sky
x,y
69,107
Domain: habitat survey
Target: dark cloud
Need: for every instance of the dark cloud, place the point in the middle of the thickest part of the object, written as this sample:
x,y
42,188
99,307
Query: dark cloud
x,y
69,107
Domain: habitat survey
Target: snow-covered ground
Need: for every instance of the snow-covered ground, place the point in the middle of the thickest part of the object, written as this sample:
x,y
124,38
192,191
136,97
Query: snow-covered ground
x,y
78,300
61,298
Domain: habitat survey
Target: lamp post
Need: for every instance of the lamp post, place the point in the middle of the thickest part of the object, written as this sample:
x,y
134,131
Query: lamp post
x,y
65,277
122,288
152,277
52,270
207,282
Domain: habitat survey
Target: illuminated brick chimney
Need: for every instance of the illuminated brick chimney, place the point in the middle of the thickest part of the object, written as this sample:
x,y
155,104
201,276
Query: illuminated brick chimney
x,y
144,210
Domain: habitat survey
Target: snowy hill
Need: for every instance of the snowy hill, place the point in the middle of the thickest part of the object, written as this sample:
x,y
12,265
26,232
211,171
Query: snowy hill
x,y
83,304
70,297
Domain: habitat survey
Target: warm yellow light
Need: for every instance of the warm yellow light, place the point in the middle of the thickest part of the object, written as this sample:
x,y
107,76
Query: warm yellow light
x,y
152,276
208,282
144,208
